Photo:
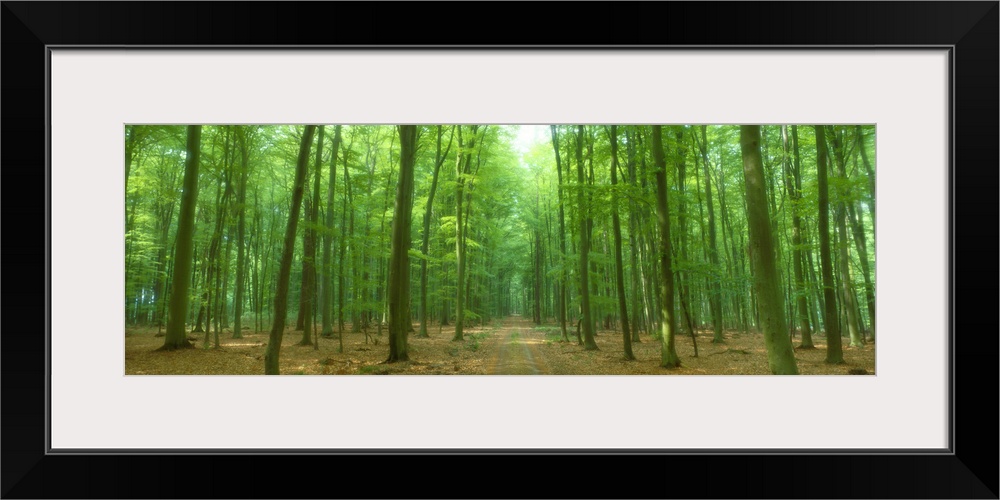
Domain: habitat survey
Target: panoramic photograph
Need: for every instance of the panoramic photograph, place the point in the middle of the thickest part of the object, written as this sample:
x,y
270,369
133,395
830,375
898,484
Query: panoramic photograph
x,y
486,249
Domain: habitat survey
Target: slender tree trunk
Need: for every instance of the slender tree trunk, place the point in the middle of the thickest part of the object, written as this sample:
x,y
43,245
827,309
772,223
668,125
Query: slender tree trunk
x,y
309,249
715,292
348,202
469,189
273,351
399,261
212,271
770,302
551,287
685,288
326,272
213,281
648,260
241,198
847,288
588,324
638,321
617,231
795,187
255,275
444,283
439,159
595,284
224,288
574,227
380,295
176,337
537,259
668,354
463,158
562,238
856,213
856,323
537,313
834,350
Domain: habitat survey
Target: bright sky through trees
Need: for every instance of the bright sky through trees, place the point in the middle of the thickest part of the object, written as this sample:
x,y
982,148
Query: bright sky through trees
x,y
530,135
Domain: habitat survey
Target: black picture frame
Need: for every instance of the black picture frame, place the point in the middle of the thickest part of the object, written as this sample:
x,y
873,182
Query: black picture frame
x,y
967,470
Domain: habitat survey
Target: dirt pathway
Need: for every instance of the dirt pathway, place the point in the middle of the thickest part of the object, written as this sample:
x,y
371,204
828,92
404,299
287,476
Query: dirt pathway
x,y
510,345
518,353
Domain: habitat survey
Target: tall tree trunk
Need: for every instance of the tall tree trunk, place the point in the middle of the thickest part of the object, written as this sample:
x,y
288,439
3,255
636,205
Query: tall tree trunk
x,y
439,159
224,288
647,261
685,288
795,187
834,350
715,290
469,189
617,231
463,158
309,249
326,273
574,227
273,351
638,322
241,198
551,287
668,354
588,324
444,300
348,202
635,278
562,238
770,302
213,281
860,242
255,275
847,288
382,271
176,337
537,259
399,261
595,284
537,313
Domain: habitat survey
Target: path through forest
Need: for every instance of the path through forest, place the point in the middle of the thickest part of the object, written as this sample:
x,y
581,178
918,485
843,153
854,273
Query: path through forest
x,y
508,346
518,354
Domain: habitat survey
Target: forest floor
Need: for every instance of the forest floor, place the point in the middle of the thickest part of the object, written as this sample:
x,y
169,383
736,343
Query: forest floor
x,y
512,346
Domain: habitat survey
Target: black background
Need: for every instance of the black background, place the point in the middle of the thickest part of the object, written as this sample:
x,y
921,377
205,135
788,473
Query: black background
x,y
972,27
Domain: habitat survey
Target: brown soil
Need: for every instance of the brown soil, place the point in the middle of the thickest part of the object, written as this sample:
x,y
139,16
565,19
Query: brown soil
x,y
511,346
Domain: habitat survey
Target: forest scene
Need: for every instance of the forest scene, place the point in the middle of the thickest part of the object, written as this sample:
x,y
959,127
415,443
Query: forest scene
x,y
481,249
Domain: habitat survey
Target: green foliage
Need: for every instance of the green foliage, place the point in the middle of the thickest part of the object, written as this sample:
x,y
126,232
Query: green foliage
x,y
512,190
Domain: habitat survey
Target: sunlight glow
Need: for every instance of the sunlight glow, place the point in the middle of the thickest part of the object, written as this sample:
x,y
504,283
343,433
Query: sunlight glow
x,y
529,135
